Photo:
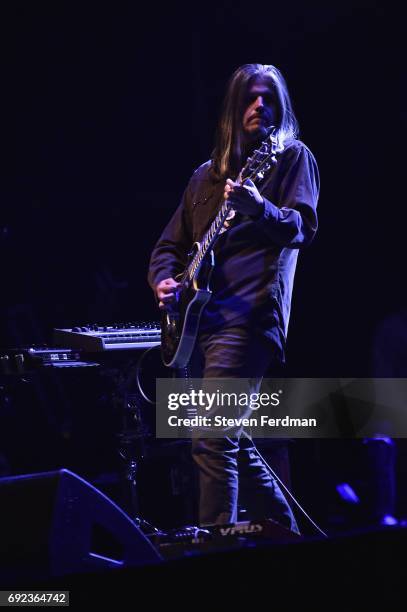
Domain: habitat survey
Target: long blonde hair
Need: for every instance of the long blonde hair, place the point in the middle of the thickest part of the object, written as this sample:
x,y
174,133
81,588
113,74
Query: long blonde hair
x,y
227,156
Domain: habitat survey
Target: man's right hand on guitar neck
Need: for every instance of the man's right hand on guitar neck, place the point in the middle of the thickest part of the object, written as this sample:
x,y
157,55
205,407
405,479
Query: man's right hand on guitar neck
x,y
165,292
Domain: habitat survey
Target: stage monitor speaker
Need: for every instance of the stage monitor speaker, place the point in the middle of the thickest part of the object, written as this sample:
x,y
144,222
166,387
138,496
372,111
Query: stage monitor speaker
x,y
56,523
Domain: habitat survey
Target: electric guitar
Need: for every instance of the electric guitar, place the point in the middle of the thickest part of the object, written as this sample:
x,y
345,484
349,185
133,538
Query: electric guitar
x,y
180,322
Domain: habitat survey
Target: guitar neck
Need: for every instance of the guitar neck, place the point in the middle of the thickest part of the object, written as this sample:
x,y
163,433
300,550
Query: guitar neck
x,y
209,239
254,169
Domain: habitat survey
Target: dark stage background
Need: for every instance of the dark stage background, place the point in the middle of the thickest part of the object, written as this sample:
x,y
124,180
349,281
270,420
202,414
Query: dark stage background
x,y
109,109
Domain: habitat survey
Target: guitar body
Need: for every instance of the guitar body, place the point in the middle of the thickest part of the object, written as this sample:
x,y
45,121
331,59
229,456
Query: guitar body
x,y
179,324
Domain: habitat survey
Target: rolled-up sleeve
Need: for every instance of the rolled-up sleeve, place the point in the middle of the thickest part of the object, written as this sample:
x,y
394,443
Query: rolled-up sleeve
x,y
292,221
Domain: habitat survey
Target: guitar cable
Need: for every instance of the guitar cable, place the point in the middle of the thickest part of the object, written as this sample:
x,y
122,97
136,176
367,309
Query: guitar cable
x,y
270,469
138,368
286,489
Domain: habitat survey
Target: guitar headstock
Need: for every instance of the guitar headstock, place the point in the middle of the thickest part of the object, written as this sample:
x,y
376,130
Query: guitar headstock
x,y
262,158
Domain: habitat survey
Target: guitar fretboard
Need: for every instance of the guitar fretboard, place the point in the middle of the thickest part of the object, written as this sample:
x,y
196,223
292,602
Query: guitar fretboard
x,y
254,169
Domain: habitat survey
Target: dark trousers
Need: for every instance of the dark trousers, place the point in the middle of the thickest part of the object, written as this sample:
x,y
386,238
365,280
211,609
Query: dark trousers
x,y
231,468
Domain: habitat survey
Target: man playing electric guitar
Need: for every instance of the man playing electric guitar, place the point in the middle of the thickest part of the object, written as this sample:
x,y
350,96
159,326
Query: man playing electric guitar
x,y
243,327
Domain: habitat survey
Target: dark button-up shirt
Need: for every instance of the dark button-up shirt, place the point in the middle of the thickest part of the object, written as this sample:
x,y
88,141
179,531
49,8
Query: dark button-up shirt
x,y
255,259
